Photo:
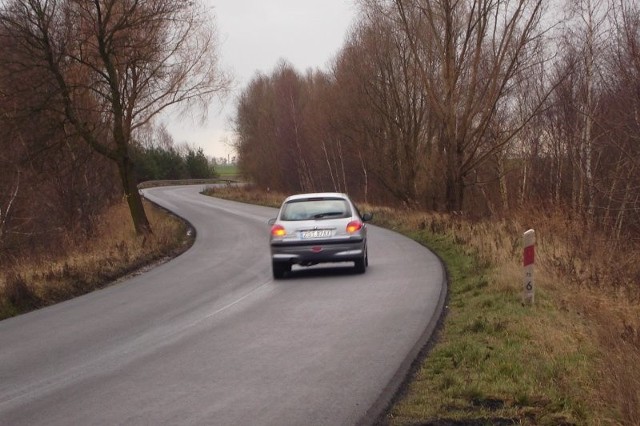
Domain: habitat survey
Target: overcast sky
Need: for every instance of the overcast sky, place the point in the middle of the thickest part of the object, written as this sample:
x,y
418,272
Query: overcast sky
x,y
254,36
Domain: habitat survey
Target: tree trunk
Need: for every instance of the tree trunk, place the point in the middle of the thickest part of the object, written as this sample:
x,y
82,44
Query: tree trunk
x,y
454,181
454,191
523,187
366,179
502,178
130,186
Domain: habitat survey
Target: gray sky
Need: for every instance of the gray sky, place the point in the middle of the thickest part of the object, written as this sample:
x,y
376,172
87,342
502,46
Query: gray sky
x,y
254,36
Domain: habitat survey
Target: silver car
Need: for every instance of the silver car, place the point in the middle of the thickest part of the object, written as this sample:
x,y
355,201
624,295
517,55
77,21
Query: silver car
x,y
317,228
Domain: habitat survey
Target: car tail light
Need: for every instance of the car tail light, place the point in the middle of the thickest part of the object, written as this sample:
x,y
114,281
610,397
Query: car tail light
x,y
278,231
354,226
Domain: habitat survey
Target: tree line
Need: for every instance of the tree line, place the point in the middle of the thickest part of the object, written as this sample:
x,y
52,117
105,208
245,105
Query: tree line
x,y
474,106
156,157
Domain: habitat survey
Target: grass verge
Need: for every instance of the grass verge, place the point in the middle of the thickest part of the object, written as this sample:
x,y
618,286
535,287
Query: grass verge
x,y
496,361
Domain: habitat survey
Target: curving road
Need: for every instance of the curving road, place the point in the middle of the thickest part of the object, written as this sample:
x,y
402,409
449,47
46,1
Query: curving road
x,y
210,339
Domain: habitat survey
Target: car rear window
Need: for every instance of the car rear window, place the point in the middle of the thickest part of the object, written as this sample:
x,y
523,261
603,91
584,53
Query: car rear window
x,y
315,209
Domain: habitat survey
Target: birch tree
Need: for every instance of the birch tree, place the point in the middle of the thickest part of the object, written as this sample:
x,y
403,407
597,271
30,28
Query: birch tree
x,y
587,38
6,205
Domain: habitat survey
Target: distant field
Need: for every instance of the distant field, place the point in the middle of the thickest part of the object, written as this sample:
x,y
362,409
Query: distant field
x,y
227,171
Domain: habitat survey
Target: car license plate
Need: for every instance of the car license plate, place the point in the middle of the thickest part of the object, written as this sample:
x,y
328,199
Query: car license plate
x,y
317,233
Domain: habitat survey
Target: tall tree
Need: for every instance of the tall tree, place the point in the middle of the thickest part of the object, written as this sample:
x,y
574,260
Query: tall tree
x,y
115,64
261,159
395,130
618,154
588,38
273,143
471,54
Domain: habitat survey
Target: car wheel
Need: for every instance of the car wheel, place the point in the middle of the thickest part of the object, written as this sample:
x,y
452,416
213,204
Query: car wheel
x,y
362,263
280,269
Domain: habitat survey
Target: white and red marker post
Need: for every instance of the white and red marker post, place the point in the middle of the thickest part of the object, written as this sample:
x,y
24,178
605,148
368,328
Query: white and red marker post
x,y
528,261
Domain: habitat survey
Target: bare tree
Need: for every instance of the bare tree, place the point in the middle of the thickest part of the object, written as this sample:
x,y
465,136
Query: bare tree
x,y
616,181
471,54
260,158
290,92
587,38
273,127
115,64
399,137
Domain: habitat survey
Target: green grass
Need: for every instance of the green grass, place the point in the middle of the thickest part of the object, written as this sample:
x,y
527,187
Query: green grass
x,y
230,171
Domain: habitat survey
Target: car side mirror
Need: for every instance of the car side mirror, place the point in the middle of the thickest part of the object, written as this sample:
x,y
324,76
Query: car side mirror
x,y
367,217
271,221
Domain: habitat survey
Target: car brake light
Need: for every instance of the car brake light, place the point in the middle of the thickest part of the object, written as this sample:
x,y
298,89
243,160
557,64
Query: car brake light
x,y
278,231
354,226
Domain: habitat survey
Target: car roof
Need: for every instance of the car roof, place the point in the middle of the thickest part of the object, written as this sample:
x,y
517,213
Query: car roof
x,y
316,195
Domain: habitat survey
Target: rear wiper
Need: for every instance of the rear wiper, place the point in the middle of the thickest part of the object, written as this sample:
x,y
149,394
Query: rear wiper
x,y
321,215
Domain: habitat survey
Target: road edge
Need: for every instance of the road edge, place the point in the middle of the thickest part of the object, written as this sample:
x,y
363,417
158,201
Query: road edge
x,y
377,413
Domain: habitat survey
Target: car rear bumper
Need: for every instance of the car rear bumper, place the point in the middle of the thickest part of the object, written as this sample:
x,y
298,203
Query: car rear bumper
x,y
318,253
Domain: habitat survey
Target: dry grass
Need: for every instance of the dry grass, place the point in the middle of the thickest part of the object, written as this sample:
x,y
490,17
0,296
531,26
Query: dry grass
x,y
247,194
497,362
590,285
83,264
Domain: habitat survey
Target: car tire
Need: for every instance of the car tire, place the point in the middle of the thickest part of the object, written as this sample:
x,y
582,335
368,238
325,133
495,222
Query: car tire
x,y
280,269
362,263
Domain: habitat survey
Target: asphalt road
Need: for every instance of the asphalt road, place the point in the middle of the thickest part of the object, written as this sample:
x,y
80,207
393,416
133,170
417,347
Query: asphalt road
x,y
210,339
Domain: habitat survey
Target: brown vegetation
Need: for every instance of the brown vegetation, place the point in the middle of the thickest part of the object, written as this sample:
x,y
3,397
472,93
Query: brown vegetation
x,y
462,106
581,272
100,70
82,263
80,85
